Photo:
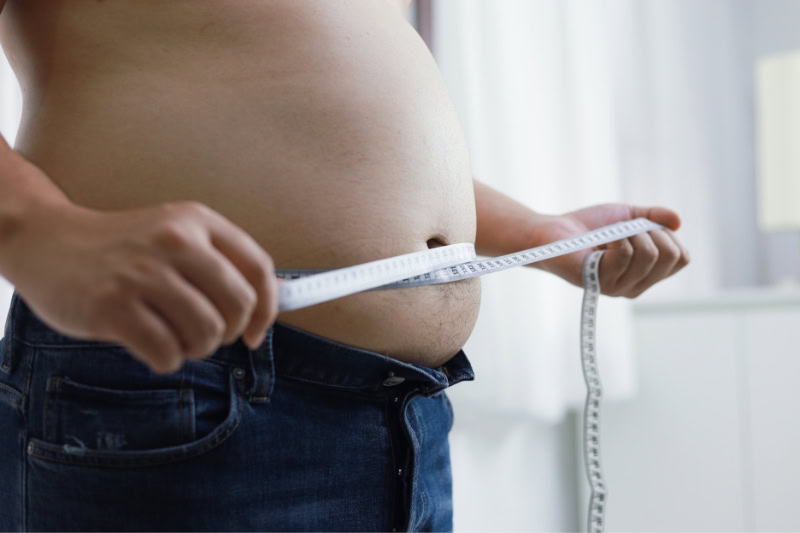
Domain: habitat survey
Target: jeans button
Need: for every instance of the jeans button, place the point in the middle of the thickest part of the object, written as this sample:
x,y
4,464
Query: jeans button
x,y
392,380
238,373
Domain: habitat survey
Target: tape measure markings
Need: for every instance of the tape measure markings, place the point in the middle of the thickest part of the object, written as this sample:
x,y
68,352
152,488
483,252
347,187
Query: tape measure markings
x,y
594,393
305,287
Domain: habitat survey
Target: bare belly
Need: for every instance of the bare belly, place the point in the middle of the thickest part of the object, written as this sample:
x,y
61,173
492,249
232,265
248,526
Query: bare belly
x,y
322,128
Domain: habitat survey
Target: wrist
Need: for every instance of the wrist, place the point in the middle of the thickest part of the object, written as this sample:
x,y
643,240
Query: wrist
x,y
28,227
548,229
28,195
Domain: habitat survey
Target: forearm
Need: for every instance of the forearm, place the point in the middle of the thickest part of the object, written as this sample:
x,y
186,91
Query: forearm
x,y
24,191
504,225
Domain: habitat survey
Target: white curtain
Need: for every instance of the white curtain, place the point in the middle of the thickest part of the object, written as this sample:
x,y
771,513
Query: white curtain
x,y
568,103
532,83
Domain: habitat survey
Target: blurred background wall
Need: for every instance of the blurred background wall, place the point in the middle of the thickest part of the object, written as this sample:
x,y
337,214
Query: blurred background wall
x,y
567,103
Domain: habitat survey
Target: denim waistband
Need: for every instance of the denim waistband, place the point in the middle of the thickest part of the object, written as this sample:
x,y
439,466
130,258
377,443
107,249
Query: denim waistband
x,y
287,352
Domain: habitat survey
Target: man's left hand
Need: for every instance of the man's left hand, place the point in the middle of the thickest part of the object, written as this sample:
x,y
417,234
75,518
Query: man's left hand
x,y
629,266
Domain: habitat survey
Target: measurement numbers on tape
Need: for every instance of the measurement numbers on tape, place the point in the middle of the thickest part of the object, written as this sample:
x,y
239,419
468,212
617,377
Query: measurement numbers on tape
x,y
305,287
594,391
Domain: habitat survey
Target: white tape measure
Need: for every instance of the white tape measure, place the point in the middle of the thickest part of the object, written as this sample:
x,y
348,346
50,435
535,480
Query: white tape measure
x,y
594,391
305,287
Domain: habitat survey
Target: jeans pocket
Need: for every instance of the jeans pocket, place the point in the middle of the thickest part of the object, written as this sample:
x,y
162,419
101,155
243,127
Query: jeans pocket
x,y
85,416
112,427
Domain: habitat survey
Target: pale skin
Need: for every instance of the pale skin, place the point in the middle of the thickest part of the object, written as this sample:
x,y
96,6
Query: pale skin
x,y
126,217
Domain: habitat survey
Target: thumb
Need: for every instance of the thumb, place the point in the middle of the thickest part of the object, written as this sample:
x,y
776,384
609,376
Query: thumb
x,y
660,215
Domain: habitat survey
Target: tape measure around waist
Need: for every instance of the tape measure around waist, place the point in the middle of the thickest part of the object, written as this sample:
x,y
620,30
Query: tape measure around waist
x,y
305,287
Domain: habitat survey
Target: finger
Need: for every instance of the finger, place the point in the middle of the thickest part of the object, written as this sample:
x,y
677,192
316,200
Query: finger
x,y
614,263
147,336
660,215
256,266
668,256
194,320
684,258
645,255
223,284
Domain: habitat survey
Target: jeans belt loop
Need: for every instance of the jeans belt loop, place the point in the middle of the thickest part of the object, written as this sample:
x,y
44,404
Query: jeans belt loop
x,y
263,367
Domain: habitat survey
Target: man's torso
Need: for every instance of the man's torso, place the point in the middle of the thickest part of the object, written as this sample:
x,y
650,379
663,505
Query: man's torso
x,y
321,128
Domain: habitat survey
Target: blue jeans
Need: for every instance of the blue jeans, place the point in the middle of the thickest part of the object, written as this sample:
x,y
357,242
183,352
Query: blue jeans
x,y
303,433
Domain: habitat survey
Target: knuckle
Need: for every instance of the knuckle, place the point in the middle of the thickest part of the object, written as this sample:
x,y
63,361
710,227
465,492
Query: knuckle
x,y
193,345
239,310
248,301
210,335
216,329
172,235
244,296
673,254
626,249
637,292
259,272
192,207
242,313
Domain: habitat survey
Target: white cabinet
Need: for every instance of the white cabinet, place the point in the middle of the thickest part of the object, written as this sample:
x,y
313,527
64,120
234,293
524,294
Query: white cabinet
x,y
710,442
772,380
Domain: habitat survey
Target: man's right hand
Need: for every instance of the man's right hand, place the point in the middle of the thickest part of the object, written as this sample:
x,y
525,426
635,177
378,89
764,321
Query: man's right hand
x,y
169,282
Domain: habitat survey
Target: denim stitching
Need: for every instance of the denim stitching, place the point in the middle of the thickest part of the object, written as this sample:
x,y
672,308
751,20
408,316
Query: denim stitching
x,y
11,397
11,391
180,411
42,450
51,407
94,460
363,388
28,379
66,345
